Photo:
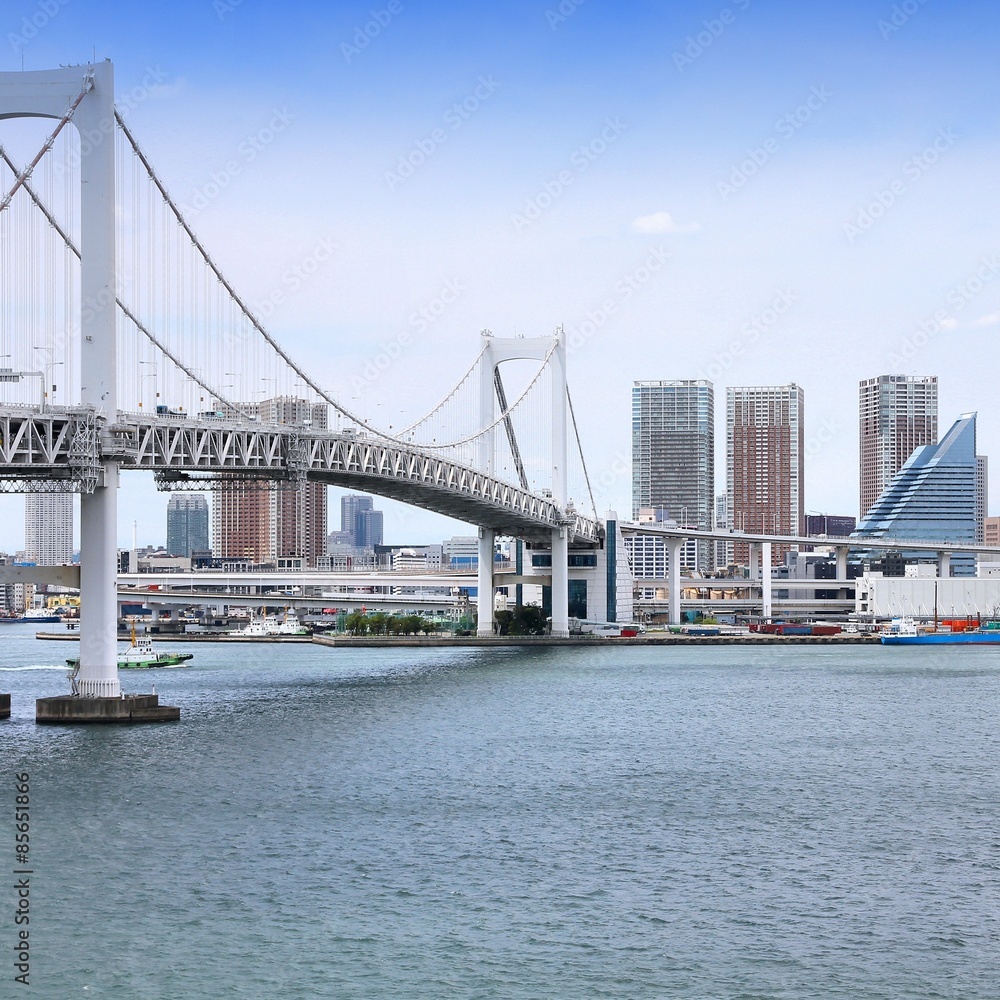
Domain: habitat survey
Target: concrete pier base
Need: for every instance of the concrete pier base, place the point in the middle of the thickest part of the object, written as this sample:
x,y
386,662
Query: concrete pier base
x,y
4,706
71,710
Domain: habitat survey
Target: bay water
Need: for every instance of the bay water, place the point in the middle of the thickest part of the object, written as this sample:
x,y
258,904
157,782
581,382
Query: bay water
x,y
703,822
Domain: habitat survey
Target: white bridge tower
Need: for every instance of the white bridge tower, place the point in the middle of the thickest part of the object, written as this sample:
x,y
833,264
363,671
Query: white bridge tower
x,y
497,350
86,95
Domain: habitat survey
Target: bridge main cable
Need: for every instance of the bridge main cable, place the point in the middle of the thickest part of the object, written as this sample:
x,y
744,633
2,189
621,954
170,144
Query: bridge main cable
x,y
244,308
71,245
22,176
275,346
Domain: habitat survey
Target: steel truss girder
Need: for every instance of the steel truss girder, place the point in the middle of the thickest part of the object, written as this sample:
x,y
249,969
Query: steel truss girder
x,y
68,444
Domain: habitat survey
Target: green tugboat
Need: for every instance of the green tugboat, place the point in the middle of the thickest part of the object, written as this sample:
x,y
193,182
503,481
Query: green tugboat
x,y
140,655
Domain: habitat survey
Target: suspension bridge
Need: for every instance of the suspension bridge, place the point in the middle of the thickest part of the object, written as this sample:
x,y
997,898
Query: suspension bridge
x,y
163,367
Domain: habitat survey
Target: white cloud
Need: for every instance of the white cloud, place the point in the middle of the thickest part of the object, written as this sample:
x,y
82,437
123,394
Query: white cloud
x,y
990,319
662,222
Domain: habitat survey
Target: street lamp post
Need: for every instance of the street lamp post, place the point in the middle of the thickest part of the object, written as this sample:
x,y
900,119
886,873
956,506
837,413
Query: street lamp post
x,y
143,377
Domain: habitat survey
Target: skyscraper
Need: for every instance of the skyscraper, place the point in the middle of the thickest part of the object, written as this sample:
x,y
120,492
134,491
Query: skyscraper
x,y
765,474
187,523
360,520
48,528
352,504
262,525
897,413
932,497
673,452
369,529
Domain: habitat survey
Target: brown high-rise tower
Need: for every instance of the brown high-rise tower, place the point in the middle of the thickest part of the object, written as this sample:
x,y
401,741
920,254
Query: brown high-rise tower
x,y
264,525
765,453
897,413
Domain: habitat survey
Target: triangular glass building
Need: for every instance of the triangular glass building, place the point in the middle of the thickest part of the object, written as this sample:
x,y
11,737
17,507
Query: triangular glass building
x,y
932,498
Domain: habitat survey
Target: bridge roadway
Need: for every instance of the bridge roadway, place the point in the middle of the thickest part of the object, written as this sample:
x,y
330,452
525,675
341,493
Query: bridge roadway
x,y
155,599
280,581
66,446
839,542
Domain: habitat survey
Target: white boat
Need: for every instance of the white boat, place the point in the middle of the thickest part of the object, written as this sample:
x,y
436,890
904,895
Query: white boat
x,y
39,616
263,626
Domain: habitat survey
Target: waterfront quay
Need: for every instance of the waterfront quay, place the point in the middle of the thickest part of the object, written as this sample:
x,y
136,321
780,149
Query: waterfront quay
x,y
358,641
601,642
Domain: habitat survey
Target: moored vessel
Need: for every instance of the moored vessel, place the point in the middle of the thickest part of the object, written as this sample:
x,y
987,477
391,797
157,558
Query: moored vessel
x,y
906,632
262,626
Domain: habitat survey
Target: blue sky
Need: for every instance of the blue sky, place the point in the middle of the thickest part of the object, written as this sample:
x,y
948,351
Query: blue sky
x,y
751,151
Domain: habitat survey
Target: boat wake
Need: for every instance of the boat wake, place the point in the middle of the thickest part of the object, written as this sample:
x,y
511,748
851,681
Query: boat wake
x,y
40,666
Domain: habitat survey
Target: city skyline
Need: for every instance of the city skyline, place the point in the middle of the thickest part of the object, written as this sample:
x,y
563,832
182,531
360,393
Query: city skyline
x,y
653,402
724,223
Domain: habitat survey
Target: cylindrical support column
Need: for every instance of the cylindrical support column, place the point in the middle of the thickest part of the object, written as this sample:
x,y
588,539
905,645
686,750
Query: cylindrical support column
x,y
674,546
842,552
98,676
765,579
485,598
519,570
560,582
944,564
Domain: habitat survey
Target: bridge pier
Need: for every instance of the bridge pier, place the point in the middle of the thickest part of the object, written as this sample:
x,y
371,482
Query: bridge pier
x,y
98,675
765,580
674,546
560,582
842,553
484,599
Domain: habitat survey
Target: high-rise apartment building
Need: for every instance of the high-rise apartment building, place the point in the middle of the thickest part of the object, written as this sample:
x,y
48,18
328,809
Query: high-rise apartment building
x,y
260,524
897,413
765,473
673,452
187,523
48,528
723,550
